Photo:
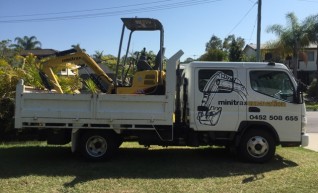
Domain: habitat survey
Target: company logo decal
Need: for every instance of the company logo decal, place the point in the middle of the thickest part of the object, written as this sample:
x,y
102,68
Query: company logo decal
x,y
219,82
253,103
267,103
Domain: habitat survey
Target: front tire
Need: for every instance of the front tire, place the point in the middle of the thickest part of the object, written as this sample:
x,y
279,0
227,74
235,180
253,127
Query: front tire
x,y
257,146
97,145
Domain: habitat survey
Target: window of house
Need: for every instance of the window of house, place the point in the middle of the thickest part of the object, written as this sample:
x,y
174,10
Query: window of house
x,y
310,56
215,81
276,84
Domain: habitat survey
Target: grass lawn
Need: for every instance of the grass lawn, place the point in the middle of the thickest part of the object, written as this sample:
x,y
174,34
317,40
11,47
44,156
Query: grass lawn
x,y
36,167
311,106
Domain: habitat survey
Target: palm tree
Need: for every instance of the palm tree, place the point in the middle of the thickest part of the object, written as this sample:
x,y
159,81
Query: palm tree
x,y
292,38
77,47
98,56
27,43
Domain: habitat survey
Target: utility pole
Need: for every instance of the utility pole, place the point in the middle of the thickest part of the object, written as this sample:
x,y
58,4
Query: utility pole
x,y
259,19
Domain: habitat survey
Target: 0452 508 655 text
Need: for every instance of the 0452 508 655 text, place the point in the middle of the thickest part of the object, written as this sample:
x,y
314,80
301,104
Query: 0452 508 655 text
x,y
273,117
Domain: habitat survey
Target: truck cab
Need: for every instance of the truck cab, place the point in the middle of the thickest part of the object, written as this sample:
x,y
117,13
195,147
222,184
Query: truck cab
x,y
255,105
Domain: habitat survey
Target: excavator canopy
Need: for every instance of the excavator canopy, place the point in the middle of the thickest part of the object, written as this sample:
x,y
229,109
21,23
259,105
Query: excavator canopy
x,y
142,24
139,24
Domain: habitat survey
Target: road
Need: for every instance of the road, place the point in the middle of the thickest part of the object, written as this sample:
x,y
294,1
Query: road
x,y
312,130
312,122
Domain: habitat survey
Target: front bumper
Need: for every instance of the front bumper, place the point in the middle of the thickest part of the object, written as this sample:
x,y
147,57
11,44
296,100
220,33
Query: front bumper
x,y
304,140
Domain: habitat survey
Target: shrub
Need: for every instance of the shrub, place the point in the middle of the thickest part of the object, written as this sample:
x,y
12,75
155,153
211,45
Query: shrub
x,y
312,90
6,116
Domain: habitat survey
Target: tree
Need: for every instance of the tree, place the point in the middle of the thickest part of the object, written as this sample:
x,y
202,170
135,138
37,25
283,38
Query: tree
x,y
218,50
14,67
9,78
276,52
4,48
214,43
234,47
98,56
77,47
235,53
248,58
228,42
188,60
293,37
27,43
131,64
214,55
311,25
110,61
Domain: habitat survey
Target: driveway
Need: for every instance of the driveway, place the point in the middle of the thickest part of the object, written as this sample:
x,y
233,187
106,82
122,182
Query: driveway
x,y
312,121
312,130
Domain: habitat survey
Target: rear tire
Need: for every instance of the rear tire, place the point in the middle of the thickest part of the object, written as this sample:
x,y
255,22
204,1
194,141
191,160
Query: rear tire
x,y
119,143
257,146
97,145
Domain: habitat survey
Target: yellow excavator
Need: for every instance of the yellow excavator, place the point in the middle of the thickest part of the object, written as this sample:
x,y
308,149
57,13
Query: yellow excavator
x,y
149,79
77,57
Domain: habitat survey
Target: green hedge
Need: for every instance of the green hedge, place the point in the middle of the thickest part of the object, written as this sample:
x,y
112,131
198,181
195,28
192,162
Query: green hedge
x,y
6,117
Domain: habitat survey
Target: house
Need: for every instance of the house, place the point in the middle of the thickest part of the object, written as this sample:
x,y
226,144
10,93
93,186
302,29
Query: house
x,y
306,64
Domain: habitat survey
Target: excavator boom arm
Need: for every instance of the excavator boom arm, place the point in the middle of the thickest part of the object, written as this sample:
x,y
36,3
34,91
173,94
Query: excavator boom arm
x,y
76,58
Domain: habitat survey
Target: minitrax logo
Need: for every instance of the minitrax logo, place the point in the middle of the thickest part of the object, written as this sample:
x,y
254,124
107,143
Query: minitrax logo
x,y
232,102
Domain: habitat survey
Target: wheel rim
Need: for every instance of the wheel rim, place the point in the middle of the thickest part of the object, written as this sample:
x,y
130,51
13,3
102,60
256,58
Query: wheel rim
x,y
96,146
257,146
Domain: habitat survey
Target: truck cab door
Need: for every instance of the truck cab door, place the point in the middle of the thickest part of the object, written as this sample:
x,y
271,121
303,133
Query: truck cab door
x,y
220,97
272,100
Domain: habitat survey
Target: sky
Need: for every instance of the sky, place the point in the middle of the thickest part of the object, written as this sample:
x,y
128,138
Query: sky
x,y
188,24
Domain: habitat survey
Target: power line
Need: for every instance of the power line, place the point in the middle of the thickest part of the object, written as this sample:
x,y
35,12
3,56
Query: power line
x,y
251,1
85,10
113,13
310,1
249,40
242,18
159,7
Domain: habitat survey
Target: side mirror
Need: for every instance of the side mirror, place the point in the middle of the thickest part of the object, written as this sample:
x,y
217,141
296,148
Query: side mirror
x,y
298,95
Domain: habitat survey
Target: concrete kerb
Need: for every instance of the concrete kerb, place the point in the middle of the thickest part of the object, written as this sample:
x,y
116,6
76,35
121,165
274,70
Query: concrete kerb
x,y
313,142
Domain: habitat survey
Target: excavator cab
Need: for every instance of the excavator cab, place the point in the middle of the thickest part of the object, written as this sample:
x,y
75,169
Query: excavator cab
x,y
149,79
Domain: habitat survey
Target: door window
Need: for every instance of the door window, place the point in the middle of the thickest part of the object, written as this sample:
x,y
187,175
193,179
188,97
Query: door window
x,y
276,84
215,81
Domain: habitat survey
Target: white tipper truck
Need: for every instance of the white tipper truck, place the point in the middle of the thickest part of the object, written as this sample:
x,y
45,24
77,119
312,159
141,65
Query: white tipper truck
x,y
248,107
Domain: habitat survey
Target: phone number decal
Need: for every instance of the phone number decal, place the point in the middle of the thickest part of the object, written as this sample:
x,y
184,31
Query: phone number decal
x,y
273,118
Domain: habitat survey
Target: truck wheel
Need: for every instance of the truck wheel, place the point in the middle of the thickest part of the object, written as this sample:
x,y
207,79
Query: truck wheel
x,y
119,143
257,146
97,146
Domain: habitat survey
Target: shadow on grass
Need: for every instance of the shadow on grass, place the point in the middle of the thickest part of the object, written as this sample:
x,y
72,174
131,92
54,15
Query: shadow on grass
x,y
132,163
